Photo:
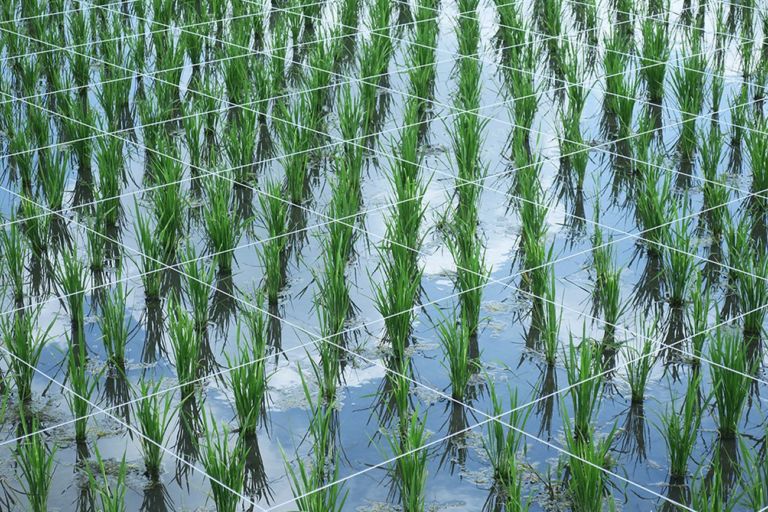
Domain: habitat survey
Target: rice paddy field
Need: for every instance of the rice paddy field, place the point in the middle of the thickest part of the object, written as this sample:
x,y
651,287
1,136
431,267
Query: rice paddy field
x,y
383,255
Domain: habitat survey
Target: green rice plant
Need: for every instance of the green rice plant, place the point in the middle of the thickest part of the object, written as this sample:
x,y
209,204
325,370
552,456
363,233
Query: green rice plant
x,y
37,464
409,470
311,480
639,366
679,261
185,345
248,377
83,384
582,367
711,493
96,242
111,496
15,252
620,89
274,218
471,272
71,279
757,150
155,416
240,136
296,139
588,458
610,298
151,258
654,54
698,317
752,290
199,280
225,464
730,374
109,158
53,178
25,347
549,321
36,224
655,207
115,328
715,190
688,84
680,428
221,226
502,446
455,339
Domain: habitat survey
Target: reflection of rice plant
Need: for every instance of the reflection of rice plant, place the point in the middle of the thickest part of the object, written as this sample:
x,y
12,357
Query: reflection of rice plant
x,y
680,429
154,415
114,326
25,347
729,372
224,463
502,446
111,496
36,463
248,377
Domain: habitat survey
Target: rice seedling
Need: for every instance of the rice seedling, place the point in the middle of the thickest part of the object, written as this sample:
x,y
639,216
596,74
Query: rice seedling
x,y
711,492
679,262
471,272
83,384
15,251
199,281
296,138
502,446
168,204
757,150
37,463
155,415
688,84
588,458
698,317
654,54
221,227
730,375
639,366
151,257
240,136
654,207
111,496
454,337
582,365
715,189
114,325
36,225
274,217
25,347
224,463
410,469
185,345
752,290
248,377
680,429
549,321
109,158
71,278
53,178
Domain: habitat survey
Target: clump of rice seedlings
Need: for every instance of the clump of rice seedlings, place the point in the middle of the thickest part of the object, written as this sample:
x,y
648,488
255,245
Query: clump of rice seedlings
x,y
151,258
502,446
155,416
714,188
374,56
655,207
639,366
248,376
311,480
53,178
96,242
752,290
274,217
221,227
679,262
524,90
757,150
168,203
199,280
71,278
185,345
620,86
224,463
698,317
25,347
471,272
582,365
654,54
111,496
410,469
421,52
82,384
240,138
37,464
588,458
711,493
296,141
730,374
688,84
680,429
547,317
572,146
15,251
36,225
114,326
109,158
454,337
